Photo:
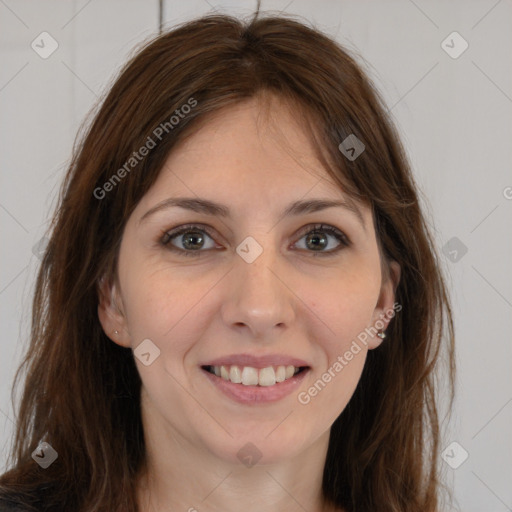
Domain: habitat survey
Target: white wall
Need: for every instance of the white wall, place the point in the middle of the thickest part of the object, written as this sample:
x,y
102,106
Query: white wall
x,y
454,114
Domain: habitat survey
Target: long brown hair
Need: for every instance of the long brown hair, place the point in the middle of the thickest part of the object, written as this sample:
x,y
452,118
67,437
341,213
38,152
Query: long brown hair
x,y
82,391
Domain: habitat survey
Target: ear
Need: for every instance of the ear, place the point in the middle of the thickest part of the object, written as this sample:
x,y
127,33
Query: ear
x,y
111,312
384,311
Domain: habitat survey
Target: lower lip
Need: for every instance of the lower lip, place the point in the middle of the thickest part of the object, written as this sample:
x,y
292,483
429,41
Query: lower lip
x,y
256,394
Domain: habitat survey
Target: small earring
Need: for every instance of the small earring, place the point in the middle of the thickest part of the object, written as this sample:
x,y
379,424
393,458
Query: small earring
x,y
116,332
381,335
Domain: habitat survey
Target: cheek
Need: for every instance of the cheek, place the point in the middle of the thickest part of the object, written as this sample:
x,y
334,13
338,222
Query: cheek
x,y
164,305
332,390
345,305
334,383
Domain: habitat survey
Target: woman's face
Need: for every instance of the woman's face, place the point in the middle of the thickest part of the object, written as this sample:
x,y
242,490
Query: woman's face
x,y
248,286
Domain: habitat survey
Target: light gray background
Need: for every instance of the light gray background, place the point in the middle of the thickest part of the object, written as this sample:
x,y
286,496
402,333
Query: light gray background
x,y
455,118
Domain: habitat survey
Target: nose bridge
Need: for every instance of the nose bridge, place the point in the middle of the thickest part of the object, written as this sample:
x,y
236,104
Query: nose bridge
x,y
259,298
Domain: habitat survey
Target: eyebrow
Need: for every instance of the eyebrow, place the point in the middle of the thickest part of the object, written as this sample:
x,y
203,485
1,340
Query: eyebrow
x,y
208,207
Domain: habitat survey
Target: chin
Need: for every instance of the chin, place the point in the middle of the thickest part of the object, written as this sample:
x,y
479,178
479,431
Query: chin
x,y
258,448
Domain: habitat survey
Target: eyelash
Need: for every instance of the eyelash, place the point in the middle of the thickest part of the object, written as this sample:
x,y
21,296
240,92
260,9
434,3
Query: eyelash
x,y
167,236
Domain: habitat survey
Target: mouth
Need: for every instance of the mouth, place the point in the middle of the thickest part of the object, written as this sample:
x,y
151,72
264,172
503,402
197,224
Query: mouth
x,y
252,386
255,377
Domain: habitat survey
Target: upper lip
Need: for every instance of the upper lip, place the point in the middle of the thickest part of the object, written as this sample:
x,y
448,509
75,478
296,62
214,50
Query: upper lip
x,y
256,361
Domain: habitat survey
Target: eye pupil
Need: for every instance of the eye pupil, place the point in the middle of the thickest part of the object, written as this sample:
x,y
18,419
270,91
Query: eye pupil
x,y
187,237
315,237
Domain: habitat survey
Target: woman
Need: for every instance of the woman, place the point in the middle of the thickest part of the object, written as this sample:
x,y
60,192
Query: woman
x,y
240,304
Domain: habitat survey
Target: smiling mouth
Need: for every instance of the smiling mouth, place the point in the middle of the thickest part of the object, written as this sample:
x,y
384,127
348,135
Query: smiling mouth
x,y
249,376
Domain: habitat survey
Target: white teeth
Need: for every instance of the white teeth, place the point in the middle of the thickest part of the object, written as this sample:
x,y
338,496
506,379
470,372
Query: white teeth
x,y
235,375
280,374
267,377
224,373
249,376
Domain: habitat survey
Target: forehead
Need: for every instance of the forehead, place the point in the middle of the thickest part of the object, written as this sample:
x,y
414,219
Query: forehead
x,y
259,140
255,152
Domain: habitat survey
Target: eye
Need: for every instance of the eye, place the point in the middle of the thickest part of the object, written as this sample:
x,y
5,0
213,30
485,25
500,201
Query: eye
x,y
316,239
191,239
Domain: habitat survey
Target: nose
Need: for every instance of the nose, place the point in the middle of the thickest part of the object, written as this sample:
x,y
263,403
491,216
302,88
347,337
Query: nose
x,y
260,303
